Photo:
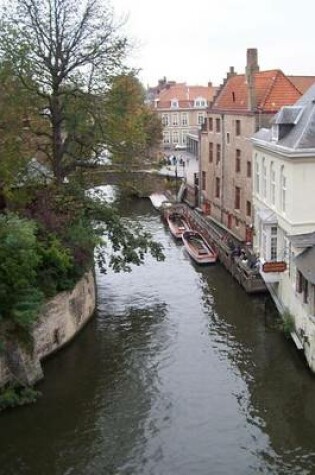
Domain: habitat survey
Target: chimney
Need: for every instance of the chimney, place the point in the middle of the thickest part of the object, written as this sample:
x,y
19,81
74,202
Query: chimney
x,y
251,68
231,72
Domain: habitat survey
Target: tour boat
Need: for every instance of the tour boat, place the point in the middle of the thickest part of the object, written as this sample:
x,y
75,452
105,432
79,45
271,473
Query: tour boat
x,y
198,248
159,200
177,224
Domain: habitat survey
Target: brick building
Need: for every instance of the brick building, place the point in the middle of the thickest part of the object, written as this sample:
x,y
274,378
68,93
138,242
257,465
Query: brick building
x,y
243,104
182,110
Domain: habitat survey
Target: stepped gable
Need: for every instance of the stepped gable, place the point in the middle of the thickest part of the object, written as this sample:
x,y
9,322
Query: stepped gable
x,y
185,95
272,88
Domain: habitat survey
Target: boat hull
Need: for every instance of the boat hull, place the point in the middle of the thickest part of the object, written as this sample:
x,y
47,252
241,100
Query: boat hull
x,y
177,224
198,248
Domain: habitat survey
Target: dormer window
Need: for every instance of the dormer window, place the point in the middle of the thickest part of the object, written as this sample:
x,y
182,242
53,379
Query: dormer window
x,y
174,103
200,102
284,121
275,133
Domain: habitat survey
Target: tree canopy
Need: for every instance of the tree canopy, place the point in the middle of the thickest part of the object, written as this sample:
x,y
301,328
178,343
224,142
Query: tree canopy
x,y
66,93
65,53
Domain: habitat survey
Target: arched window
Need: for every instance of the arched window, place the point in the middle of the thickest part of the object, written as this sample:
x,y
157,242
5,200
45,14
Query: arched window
x,y
200,102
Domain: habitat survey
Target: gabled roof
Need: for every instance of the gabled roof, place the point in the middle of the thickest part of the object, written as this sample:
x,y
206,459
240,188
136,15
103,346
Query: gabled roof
x,y
186,95
273,90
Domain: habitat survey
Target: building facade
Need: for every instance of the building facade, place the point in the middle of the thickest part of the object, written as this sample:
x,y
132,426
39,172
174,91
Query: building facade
x,y
242,105
284,216
182,110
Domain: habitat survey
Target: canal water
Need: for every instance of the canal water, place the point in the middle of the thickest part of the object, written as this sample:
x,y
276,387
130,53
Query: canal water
x,y
179,373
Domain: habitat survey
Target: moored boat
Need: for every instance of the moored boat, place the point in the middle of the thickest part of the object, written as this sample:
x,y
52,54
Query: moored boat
x,y
159,200
177,224
198,248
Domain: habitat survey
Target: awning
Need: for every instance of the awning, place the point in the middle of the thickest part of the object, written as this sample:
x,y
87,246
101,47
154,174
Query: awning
x,y
305,263
267,216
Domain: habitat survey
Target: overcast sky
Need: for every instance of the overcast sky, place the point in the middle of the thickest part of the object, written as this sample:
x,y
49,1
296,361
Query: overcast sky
x,y
198,41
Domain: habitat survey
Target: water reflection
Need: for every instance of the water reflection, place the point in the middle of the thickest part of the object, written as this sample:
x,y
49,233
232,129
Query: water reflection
x,y
279,387
177,374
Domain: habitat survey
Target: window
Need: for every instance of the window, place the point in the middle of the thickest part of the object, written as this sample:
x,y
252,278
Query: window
x,y
237,201
218,154
218,125
210,152
200,102
283,190
200,118
272,184
166,138
248,208
184,119
305,291
257,175
273,243
275,133
175,120
217,187
302,286
269,242
238,161
237,127
175,137
249,169
210,124
264,178
165,120
203,180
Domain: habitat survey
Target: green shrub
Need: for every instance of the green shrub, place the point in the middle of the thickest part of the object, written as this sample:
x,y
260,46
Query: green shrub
x,y
13,396
20,297
288,323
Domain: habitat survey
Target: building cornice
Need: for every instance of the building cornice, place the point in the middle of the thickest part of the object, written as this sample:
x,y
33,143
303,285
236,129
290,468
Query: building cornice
x,y
283,151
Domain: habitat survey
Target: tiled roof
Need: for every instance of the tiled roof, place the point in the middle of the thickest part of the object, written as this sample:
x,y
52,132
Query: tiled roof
x,y
302,82
273,90
185,95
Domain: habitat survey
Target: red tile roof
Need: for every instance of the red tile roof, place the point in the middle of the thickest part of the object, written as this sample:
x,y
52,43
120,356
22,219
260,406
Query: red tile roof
x,y
303,83
273,90
185,95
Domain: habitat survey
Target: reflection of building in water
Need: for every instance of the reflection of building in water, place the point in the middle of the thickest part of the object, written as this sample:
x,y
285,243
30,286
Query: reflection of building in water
x,y
278,393
283,198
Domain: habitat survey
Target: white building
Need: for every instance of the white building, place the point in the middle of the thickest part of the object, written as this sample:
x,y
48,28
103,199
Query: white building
x,y
284,216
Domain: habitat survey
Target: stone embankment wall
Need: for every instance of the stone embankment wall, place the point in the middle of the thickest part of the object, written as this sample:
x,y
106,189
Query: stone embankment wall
x,y
60,320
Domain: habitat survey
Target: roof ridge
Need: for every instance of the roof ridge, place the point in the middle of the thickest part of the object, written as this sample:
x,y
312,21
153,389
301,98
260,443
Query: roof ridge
x,y
295,87
269,89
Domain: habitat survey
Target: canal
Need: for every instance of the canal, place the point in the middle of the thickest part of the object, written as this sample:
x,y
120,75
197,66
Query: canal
x,y
180,373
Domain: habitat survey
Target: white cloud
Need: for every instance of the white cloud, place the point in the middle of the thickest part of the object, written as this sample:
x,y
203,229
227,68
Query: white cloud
x,y
200,40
